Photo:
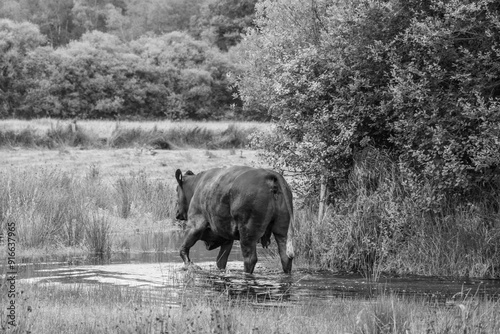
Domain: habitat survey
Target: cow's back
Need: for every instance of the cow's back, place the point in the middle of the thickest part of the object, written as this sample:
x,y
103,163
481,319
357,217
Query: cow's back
x,y
226,196
240,203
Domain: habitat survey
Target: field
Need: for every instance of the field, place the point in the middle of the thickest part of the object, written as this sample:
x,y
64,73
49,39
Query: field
x,y
95,197
116,176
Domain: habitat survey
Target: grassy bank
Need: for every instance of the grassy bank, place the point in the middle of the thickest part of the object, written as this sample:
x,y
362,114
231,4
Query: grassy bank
x,y
48,133
382,221
111,309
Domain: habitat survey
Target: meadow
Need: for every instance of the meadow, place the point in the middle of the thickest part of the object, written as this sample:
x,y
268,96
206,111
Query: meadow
x,y
76,198
87,134
78,190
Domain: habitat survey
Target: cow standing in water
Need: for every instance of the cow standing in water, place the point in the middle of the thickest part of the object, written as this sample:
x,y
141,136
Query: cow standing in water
x,y
237,203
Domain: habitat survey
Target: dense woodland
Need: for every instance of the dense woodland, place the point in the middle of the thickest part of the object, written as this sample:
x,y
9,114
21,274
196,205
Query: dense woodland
x,y
121,59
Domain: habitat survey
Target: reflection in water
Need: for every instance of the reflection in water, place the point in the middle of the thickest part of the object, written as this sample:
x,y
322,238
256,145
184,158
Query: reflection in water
x,y
270,288
161,275
169,281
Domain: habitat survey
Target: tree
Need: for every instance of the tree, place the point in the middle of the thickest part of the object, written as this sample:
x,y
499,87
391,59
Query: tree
x,y
160,17
418,80
203,87
16,41
223,22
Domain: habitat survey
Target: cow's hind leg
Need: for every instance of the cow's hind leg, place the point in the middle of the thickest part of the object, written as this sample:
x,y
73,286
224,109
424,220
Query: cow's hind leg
x,y
286,262
198,225
224,251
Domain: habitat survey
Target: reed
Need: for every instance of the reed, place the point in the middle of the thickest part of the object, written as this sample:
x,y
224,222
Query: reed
x,y
46,207
53,209
98,237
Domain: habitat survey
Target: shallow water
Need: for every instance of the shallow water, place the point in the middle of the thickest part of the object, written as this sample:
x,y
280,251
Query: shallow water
x,y
163,276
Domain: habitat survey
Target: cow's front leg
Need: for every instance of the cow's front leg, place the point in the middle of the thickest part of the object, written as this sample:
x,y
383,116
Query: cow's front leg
x,y
224,251
198,225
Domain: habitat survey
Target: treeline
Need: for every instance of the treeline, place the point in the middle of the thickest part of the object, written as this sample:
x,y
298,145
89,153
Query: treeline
x,y
121,59
219,21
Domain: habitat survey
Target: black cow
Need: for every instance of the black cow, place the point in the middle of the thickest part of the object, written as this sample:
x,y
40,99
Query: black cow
x,y
237,203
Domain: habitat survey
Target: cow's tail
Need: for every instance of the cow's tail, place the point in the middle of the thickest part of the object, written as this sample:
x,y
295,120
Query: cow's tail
x,y
290,251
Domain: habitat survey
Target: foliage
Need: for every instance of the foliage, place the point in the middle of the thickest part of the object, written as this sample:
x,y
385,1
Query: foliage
x,y
54,209
202,89
418,80
222,22
100,76
16,41
379,225
62,21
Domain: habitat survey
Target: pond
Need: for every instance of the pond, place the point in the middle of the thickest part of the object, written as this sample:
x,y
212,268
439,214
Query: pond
x,y
162,275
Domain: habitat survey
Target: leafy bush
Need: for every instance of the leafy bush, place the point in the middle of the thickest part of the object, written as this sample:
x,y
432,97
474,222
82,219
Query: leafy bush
x,y
378,225
417,80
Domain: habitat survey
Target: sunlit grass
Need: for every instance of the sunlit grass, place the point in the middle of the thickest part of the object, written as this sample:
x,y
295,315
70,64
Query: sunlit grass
x,y
104,128
51,133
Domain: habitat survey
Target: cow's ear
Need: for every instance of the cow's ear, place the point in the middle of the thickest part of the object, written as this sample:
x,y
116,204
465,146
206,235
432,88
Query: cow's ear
x,y
189,173
178,176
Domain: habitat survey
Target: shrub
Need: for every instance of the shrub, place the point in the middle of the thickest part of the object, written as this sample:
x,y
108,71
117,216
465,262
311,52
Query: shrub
x,y
402,77
376,226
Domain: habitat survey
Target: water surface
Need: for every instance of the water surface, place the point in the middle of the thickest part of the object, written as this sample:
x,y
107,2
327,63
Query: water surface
x,y
163,275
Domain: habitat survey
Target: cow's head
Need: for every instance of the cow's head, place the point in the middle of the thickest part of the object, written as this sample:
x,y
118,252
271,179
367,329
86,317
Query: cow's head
x,y
184,194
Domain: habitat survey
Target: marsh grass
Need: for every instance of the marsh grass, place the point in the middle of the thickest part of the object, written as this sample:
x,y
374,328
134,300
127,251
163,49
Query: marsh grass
x,y
58,135
123,189
152,241
379,225
54,209
98,236
47,133
103,308
147,196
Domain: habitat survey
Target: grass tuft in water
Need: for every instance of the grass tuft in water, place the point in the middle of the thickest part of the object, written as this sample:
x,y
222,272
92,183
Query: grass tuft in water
x,y
97,236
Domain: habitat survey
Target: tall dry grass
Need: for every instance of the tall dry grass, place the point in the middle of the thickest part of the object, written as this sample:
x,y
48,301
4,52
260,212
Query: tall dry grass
x,y
55,209
379,224
47,133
